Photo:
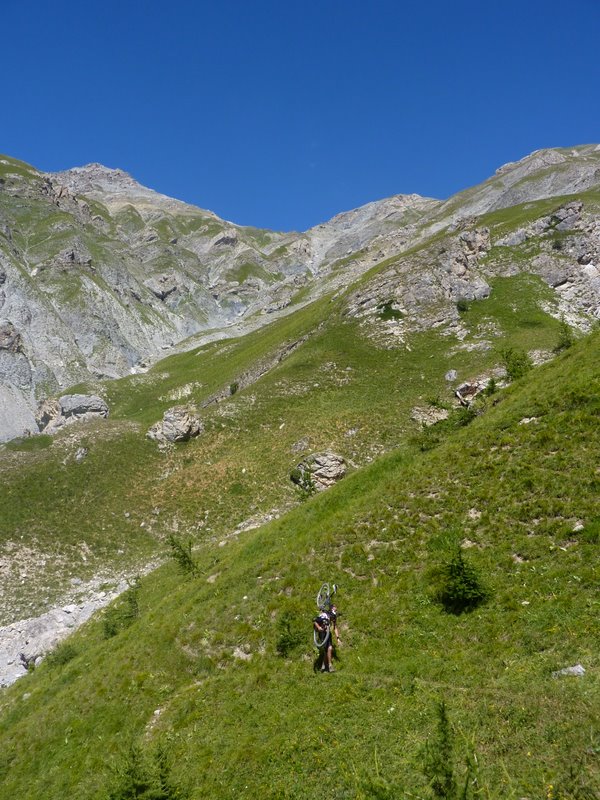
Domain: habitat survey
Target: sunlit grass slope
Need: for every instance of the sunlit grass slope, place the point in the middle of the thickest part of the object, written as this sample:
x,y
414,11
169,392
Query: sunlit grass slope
x,y
197,676
338,389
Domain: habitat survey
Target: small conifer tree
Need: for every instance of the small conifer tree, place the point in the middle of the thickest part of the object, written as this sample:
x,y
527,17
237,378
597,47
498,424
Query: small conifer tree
x,y
181,553
460,588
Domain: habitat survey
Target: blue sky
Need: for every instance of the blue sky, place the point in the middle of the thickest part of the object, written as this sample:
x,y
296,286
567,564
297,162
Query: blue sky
x,y
282,114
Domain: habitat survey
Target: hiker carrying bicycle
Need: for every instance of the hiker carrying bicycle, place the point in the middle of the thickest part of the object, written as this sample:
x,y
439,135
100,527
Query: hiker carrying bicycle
x,y
325,624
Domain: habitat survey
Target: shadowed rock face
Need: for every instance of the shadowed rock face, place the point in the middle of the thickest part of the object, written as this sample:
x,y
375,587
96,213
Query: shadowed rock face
x,y
54,414
99,275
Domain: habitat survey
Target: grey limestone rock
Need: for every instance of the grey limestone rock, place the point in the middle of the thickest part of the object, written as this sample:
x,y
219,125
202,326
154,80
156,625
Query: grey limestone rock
x,y
468,391
301,445
576,671
429,416
53,414
179,424
163,270
513,239
323,469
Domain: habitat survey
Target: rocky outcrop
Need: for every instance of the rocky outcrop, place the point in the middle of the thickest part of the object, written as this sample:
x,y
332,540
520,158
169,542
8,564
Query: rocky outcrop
x,y
10,338
162,286
321,470
467,392
179,424
24,643
54,414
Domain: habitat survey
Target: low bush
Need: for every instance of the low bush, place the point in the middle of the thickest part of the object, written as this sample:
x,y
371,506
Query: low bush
x,y
124,612
565,336
291,632
181,553
142,776
304,482
516,363
458,587
61,655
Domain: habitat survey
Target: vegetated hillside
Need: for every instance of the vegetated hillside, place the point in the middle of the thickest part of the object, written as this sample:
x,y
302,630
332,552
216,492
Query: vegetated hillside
x,y
67,518
354,372
205,682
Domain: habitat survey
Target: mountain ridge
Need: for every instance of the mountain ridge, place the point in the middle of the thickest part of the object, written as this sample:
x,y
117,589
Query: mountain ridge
x,y
164,270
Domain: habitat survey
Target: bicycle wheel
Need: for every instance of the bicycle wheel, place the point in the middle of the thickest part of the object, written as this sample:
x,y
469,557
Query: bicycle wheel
x,y
320,638
324,597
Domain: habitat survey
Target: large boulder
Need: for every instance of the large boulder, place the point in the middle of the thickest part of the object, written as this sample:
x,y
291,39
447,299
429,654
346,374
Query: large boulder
x,y
179,424
321,470
53,414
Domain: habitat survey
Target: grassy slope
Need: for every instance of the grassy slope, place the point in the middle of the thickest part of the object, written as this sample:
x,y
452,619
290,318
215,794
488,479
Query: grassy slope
x,y
268,727
103,509
377,533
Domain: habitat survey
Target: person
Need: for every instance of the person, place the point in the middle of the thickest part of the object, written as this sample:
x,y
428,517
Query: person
x,y
324,624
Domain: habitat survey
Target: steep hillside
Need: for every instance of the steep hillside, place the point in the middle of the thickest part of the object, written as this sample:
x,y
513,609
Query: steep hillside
x,y
355,372
390,310
215,671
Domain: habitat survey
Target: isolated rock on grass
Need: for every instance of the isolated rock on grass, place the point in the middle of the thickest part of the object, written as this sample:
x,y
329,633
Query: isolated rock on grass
x,y
321,469
179,424
577,672
468,391
53,414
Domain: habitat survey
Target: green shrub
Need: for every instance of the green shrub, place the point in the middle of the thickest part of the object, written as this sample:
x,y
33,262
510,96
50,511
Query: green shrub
x,y
61,655
462,305
491,388
233,387
516,363
304,481
124,612
387,311
427,438
565,336
181,553
459,588
142,776
462,417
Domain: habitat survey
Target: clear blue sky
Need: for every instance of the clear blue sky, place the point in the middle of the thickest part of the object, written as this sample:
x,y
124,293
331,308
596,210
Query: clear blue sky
x,y
279,113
